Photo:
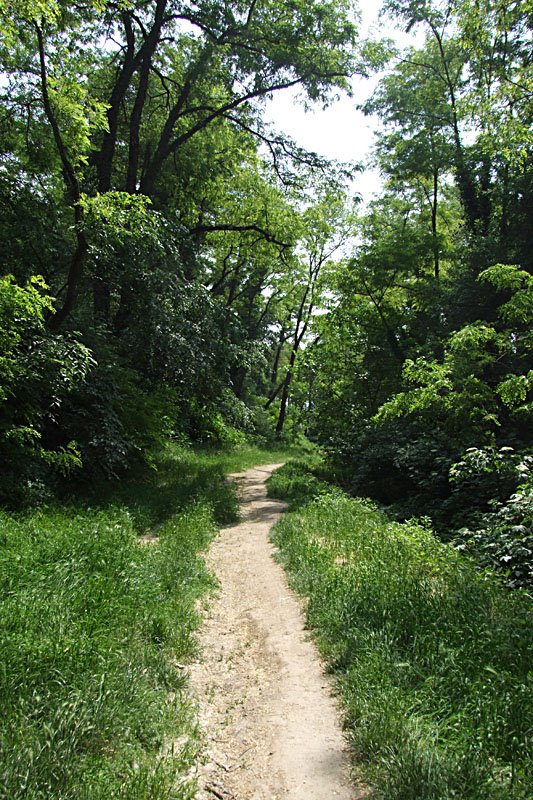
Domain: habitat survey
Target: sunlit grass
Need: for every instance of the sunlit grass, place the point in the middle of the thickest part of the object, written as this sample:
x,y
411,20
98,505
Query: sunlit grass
x,y
94,625
180,477
432,655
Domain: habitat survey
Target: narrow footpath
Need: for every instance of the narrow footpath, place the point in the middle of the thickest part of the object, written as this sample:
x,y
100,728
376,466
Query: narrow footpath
x,y
267,714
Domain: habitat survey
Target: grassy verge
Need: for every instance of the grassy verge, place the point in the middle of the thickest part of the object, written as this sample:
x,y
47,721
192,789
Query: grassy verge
x,y
181,477
93,627
431,654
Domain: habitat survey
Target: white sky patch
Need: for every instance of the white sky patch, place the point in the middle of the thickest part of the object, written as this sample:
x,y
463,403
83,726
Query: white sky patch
x,y
340,131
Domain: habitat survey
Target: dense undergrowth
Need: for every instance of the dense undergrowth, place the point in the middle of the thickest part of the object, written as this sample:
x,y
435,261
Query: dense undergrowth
x,y
93,626
431,653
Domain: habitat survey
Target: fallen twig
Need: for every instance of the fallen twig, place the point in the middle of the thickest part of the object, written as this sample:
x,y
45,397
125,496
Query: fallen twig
x,y
225,766
213,790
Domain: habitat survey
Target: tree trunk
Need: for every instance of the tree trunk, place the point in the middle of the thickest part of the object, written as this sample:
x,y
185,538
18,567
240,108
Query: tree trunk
x,y
283,405
285,393
465,181
238,376
434,232
74,277
273,395
74,193
279,349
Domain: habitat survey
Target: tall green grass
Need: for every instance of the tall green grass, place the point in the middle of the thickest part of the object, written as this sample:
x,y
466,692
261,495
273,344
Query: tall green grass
x,y
432,655
94,626
89,624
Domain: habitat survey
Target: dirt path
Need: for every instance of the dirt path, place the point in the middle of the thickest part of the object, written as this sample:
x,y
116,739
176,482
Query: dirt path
x,y
266,710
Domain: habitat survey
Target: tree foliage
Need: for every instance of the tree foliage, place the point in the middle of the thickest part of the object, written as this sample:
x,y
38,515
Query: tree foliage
x,y
37,373
211,279
138,177
425,354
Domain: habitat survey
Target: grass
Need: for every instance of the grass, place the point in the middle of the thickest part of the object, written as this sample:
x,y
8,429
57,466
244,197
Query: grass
x,y
431,654
181,477
93,625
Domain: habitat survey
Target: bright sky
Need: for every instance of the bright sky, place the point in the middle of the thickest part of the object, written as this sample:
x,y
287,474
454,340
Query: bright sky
x,y
340,131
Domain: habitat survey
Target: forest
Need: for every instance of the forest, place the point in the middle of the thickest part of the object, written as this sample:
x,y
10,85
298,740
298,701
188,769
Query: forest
x,y
186,290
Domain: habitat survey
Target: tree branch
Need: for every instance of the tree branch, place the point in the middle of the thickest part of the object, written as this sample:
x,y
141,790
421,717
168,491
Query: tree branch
x,y
269,237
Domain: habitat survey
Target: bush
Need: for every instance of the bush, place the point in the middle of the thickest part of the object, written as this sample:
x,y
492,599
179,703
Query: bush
x,y
118,422
504,538
38,372
501,538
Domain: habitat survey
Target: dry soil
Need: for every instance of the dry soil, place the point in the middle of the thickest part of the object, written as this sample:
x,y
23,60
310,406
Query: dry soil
x,y
267,714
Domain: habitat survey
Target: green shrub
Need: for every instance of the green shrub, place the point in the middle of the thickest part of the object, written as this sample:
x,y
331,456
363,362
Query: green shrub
x,y
502,537
117,420
38,371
